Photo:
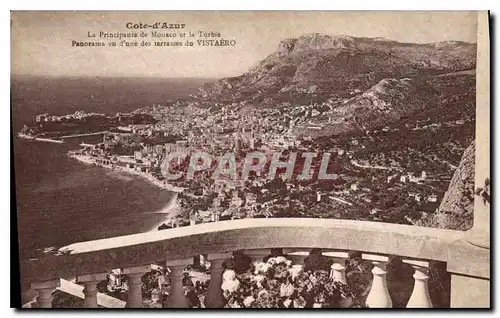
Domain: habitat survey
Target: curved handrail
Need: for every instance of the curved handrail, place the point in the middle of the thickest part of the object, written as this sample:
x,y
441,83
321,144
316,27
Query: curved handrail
x,y
227,236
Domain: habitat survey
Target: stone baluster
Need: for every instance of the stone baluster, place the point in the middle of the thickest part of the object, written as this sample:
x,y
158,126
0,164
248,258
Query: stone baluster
x,y
45,290
337,272
134,275
379,296
90,291
297,256
215,297
338,268
177,297
420,297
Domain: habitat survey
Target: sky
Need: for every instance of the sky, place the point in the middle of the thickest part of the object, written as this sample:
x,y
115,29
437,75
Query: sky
x,y
41,42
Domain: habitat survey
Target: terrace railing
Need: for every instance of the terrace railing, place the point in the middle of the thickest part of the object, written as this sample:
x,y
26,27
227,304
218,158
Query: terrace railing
x,y
467,264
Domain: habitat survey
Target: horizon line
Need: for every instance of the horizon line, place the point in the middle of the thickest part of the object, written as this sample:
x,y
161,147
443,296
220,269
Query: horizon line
x,y
12,76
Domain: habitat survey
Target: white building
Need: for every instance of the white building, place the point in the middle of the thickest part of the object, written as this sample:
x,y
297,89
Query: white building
x,y
423,176
432,198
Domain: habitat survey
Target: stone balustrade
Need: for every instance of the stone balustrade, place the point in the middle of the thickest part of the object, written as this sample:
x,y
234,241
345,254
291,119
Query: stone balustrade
x,y
379,293
467,264
90,291
134,274
177,297
214,298
420,297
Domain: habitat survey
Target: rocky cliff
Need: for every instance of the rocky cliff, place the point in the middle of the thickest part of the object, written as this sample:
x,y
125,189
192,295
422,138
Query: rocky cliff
x,y
456,210
335,64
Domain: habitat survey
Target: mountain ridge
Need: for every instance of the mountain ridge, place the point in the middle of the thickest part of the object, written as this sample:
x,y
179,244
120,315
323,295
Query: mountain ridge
x,y
333,65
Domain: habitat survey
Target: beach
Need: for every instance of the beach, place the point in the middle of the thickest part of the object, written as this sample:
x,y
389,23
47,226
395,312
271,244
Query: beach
x,y
170,211
146,176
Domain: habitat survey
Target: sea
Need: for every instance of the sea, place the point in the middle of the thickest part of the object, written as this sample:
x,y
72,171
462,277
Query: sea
x,y
58,200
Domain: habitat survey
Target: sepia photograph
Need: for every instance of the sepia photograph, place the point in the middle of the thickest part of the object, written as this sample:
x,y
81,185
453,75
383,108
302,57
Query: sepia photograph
x,y
251,159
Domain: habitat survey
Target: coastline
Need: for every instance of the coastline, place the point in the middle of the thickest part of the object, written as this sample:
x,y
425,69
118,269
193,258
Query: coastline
x,y
170,210
146,176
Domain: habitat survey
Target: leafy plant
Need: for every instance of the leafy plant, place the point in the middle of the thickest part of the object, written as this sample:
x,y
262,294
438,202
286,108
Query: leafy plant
x,y
484,193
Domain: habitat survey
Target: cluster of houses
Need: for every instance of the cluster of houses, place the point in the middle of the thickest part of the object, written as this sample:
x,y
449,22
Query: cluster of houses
x,y
78,115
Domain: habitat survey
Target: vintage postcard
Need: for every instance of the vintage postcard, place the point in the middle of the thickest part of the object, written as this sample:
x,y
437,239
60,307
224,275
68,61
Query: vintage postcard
x,y
251,159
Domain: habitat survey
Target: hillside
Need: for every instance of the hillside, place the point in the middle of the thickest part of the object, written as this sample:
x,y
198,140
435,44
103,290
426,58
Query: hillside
x,y
396,118
457,207
386,102
313,68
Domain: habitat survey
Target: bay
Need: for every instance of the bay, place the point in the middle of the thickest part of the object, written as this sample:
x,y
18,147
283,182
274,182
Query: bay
x,y
59,200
